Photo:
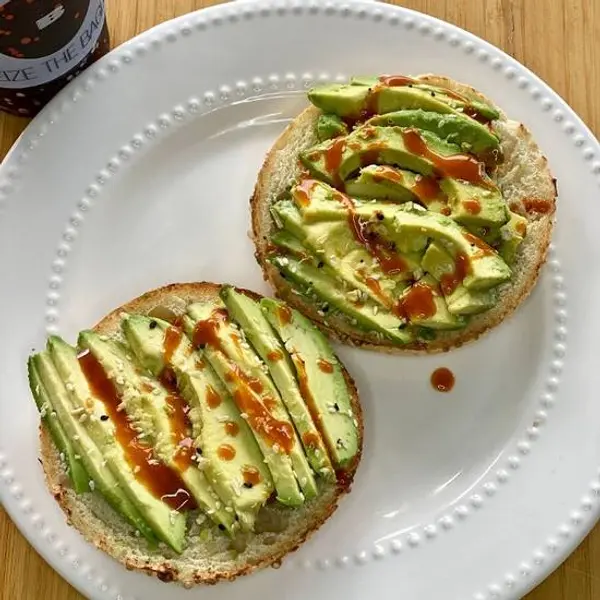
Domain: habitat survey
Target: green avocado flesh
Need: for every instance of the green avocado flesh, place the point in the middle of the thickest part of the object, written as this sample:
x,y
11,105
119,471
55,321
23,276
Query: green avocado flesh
x,y
215,415
396,225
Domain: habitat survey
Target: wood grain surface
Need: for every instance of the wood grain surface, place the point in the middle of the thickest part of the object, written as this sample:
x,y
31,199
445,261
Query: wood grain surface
x,y
558,39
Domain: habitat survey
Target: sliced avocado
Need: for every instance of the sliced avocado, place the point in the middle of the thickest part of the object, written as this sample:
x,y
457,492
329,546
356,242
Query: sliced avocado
x,y
102,461
324,284
372,145
470,302
75,469
369,95
240,368
319,202
511,236
461,301
291,244
485,267
340,100
242,479
460,103
473,205
455,128
147,405
246,312
330,126
381,182
310,350
350,101
424,306
335,245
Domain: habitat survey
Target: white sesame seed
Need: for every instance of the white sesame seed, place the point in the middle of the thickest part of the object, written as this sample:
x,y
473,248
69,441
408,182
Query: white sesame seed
x,y
69,386
76,437
92,485
244,415
120,380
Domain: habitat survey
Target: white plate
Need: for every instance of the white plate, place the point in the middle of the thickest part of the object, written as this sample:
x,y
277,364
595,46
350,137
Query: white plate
x,y
139,174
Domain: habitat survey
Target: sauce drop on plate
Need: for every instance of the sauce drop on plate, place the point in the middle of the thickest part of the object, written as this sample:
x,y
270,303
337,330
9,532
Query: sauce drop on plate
x,y
442,379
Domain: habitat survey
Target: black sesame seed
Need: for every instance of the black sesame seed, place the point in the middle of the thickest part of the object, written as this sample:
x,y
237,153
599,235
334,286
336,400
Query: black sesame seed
x,y
433,94
201,346
221,527
247,484
380,216
320,264
336,406
104,417
153,324
325,308
198,450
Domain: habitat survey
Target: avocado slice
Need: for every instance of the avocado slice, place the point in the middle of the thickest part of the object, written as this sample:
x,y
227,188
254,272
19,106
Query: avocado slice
x,y
484,266
338,159
323,284
461,301
352,101
330,126
473,205
424,306
94,440
245,311
335,245
75,469
382,182
310,350
455,128
241,478
458,101
512,235
318,202
151,411
242,372
374,95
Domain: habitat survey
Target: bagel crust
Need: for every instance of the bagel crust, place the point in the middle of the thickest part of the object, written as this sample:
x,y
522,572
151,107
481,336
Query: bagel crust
x,y
207,559
523,175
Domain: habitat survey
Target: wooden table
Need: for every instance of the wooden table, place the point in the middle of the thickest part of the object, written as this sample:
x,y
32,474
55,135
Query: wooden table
x,y
557,39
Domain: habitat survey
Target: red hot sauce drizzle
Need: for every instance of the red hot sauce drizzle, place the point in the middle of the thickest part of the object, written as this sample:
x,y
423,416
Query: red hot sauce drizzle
x,y
450,281
417,303
459,166
275,355
325,365
251,476
333,160
178,408
308,398
172,339
205,332
163,482
537,205
390,261
247,390
442,379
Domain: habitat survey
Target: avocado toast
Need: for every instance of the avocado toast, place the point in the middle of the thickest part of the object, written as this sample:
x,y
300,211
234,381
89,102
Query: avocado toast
x,y
403,214
198,432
